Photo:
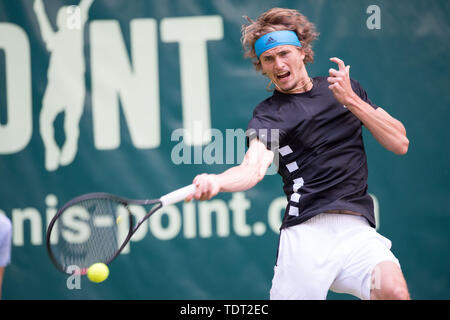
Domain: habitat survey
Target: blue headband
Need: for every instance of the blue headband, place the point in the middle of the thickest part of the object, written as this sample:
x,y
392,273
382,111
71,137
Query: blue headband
x,y
275,39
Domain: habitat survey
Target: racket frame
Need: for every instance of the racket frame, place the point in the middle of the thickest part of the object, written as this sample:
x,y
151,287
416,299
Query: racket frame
x,y
157,204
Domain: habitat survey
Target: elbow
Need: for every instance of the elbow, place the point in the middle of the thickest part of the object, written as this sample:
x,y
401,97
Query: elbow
x,y
256,175
402,147
259,177
248,177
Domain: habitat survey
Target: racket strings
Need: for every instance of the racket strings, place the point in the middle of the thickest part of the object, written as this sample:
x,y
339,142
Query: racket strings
x,y
90,231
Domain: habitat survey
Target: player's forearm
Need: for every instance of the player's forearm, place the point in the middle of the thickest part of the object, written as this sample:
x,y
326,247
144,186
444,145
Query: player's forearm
x,y
235,179
240,178
389,132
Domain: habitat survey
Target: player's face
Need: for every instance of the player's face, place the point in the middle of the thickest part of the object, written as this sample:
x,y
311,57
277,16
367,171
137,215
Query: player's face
x,y
284,66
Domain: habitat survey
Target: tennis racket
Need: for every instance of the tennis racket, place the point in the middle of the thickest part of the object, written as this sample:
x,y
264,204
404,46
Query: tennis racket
x,y
96,227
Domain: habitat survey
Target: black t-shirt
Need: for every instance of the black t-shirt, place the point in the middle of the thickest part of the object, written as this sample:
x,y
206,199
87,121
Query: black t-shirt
x,y
319,147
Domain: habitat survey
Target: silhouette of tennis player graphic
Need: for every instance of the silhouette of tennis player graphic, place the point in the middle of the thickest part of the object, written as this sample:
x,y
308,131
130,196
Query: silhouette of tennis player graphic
x,y
65,90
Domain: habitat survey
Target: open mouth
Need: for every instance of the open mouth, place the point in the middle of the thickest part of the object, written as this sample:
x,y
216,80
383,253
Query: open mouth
x,y
283,75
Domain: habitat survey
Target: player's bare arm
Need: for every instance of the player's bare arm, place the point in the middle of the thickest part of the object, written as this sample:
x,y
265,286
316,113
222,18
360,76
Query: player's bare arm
x,y
388,131
239,178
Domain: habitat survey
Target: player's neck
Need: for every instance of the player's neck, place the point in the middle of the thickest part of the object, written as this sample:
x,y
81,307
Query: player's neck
x,y
304,85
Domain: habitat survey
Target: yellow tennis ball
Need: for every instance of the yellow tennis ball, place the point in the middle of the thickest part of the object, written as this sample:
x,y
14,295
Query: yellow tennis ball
x,y
98,272
119,218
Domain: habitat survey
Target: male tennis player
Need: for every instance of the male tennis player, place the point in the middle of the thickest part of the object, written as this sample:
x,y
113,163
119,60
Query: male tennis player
x,y
327,239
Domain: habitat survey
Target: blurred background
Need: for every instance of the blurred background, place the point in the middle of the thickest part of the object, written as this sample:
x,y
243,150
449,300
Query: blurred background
x,y
93,97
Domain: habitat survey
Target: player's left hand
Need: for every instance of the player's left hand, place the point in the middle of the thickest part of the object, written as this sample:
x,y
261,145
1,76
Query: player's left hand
x,y
340,82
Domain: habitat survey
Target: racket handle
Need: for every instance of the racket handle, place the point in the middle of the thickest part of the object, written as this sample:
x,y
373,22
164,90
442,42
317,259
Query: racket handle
x,y
177,195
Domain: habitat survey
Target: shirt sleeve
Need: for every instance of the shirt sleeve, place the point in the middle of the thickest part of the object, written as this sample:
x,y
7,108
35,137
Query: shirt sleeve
x,y
261,129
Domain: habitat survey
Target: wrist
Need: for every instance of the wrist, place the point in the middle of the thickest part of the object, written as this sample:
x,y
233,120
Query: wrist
x,y
352,101
215,181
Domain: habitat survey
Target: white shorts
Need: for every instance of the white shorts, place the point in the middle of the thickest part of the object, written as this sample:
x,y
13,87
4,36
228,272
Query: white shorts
x,y
335,252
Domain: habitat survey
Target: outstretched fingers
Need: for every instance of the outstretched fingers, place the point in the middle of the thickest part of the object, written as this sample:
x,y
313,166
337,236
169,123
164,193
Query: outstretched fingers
x,y
339,62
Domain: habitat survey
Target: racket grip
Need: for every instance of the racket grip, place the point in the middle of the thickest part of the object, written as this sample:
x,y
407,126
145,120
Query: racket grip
x,y
177,195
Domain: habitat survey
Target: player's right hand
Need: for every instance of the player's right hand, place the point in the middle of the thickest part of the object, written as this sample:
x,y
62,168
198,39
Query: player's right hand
x,y
207,186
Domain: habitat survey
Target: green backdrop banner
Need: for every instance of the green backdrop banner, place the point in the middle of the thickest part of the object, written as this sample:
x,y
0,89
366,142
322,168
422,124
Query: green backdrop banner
x,y
136,97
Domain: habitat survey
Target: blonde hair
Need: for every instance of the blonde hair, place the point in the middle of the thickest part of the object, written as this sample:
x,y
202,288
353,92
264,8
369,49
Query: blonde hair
x,y
277,19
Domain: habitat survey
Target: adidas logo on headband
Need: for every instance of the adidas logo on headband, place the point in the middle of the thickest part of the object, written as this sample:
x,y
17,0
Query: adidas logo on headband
x,y
270,41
